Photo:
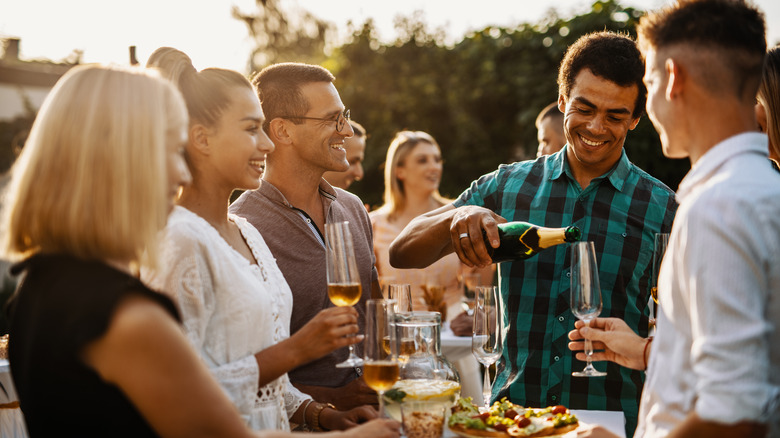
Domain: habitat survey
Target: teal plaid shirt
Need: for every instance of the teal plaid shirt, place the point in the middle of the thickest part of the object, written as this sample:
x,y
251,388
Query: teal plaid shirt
x,y
620,211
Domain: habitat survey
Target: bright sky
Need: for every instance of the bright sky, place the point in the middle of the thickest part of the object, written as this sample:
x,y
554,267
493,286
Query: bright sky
x,y
104,29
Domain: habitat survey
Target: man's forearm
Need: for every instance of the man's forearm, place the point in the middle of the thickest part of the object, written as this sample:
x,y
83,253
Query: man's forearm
x,y
425,240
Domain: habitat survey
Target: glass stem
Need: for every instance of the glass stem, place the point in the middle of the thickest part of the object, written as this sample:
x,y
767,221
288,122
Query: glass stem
x,y
382,405
486,387
588,351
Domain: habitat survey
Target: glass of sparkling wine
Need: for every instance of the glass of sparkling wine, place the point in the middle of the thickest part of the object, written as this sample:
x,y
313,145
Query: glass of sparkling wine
x,y
344,288
585,296
659,248
487,339
380,349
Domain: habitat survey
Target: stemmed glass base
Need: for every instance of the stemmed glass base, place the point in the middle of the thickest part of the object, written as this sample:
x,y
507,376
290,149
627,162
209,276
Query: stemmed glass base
x,y
352,361
589,370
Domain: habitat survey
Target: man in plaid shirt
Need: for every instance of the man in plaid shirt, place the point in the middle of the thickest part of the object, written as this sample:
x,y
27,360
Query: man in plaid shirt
x,y
590,183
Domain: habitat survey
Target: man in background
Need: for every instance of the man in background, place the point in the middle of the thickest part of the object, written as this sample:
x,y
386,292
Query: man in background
x,y
356,150
549,130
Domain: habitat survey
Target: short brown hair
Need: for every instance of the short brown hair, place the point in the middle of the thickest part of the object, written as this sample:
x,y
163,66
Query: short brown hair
x,y
609,55
279,88
732,28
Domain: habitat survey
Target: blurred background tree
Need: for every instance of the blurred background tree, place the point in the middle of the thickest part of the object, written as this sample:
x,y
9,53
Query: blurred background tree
x,y
479,97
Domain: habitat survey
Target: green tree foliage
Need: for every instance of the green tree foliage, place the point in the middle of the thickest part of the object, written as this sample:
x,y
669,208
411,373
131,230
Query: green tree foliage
x,y
282,35
479,98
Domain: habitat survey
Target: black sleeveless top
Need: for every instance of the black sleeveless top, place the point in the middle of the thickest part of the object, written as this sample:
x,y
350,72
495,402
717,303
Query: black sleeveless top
x,y
62,304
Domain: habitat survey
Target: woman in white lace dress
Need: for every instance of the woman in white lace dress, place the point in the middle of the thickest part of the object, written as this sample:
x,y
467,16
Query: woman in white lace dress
x,y
233,298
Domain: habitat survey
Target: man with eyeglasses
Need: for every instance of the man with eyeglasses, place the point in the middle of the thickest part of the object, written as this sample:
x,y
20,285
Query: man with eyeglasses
x,y
308,124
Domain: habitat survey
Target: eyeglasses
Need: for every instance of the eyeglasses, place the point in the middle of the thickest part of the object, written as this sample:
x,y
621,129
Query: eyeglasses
x,y
341,120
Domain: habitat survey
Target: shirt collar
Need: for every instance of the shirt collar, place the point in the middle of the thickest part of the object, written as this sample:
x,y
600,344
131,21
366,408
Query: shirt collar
x,y
616,176
271,192
718,155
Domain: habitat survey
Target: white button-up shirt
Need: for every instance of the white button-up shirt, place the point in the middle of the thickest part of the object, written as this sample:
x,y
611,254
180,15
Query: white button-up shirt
x,y
717,349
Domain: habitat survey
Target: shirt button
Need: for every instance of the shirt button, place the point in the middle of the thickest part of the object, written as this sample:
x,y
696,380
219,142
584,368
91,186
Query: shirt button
x,y
557,358
560,318
568,274
555,397
625,234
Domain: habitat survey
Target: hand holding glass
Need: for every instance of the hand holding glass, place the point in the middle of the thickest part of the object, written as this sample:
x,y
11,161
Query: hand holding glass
x,y
380,363
585,296
344,288
487,339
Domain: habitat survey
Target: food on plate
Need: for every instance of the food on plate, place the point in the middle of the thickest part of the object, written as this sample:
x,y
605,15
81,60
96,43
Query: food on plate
x,y
506,419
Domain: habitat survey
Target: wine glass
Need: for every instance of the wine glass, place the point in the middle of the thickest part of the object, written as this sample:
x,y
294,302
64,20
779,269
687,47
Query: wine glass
x,y
402,294
585,296
344,288
659,248
468,282
487,338
380,349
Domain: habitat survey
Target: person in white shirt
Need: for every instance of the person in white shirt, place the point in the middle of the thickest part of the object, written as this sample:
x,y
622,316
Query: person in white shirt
x,y
234,300
714,368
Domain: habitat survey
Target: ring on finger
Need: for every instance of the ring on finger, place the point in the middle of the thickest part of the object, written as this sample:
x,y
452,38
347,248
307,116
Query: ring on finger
x,y
463,235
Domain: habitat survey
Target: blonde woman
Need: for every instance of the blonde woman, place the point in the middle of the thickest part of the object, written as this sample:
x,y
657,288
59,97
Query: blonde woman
x,y
93,351
234,300
413,170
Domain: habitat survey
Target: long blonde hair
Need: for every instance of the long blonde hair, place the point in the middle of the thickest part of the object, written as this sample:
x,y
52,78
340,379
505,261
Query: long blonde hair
x,y
92,179
395,194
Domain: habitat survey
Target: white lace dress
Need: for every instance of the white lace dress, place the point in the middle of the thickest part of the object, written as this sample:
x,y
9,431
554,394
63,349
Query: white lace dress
x,y
231,310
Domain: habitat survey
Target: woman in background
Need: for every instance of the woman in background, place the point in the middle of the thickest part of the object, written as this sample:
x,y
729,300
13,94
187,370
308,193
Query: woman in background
x,y
233,298
768,106
413,170
93,351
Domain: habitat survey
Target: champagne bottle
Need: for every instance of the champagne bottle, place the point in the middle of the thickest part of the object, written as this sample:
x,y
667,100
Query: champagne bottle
x,y
521,240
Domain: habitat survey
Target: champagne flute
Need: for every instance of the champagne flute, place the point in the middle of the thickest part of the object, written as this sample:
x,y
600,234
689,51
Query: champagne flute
x,y
487,341
659,248
585,296
380,360
402,294
468,282
344,288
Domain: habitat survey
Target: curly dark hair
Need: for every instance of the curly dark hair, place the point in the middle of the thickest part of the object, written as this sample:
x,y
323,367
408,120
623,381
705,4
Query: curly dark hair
x,y
609,55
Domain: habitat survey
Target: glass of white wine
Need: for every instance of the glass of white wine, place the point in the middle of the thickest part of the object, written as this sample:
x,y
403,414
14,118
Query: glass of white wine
x,y
585,296
659,248
344,287
487,341
380,349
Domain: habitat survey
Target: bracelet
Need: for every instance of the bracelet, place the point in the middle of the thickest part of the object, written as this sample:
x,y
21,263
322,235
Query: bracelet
x,y
304,411
315,422
644,352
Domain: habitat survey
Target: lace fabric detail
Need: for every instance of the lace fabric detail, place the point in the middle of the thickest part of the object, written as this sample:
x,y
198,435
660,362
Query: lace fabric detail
x,y
231,310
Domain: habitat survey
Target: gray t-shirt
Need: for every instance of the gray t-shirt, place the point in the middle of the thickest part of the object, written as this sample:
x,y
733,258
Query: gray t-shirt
x,y
300,254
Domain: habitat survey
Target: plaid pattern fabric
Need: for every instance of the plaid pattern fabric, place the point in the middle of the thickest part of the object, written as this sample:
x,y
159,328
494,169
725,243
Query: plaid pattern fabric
x,y
619,211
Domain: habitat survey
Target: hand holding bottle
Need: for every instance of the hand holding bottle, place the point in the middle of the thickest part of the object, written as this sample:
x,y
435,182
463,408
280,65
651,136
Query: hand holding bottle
x,y
466,228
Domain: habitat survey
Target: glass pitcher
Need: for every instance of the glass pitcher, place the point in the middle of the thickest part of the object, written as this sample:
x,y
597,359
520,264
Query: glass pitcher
x,y
425,374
